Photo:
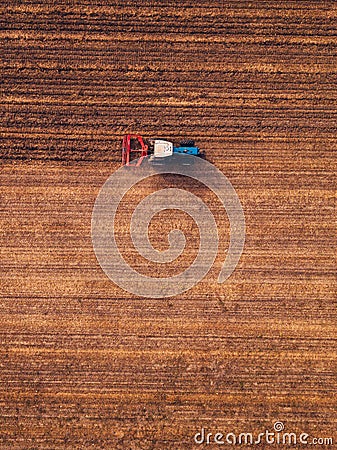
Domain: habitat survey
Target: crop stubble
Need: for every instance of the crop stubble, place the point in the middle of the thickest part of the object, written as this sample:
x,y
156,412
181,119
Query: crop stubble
x,y
82,362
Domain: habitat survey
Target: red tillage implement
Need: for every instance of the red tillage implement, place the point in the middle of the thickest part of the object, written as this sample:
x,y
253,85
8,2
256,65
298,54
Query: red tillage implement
x,y
133,143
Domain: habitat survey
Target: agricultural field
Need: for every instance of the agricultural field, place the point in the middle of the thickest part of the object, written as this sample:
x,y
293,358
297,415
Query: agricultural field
x,y
85,364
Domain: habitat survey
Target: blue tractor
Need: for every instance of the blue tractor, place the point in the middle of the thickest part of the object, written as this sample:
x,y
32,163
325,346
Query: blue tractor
x,y
158,150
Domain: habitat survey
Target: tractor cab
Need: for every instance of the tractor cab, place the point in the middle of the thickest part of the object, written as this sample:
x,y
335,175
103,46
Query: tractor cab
x,y
160,148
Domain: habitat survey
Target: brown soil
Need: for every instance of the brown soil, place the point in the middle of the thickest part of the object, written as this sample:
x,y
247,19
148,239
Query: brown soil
x,y
83,363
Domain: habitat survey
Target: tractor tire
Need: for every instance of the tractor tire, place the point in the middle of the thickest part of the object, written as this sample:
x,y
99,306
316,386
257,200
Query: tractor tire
x,y
187,143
